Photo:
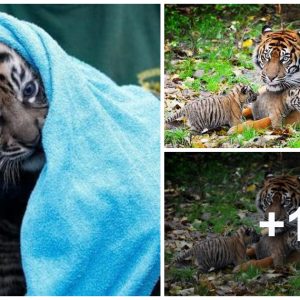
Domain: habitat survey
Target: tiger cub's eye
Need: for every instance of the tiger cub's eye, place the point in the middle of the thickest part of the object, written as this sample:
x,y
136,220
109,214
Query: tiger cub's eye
x,y
30,89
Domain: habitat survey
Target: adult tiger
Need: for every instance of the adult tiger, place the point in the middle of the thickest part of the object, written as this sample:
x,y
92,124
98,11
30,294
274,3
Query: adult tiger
x,y
281,195
278,57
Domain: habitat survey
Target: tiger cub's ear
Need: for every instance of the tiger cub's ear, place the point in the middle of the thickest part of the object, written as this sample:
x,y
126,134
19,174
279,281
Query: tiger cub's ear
x,y
245,89
248,231
266,29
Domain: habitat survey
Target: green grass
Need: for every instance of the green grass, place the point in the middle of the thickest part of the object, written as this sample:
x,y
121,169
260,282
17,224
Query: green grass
x,y
294,142
168,257
221,197
177,136
250,274
248,134
187,69
212,33
183,274
294,284
221,193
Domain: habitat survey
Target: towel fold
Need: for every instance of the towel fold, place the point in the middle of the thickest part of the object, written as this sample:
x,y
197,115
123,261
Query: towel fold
x,y
92,225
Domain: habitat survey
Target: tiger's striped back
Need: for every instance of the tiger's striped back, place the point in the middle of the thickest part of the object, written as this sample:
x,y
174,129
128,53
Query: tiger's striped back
x,y
12,281
215,111
222,251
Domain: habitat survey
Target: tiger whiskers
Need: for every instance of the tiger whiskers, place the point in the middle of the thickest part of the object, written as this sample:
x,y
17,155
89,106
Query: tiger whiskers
x,y
11,170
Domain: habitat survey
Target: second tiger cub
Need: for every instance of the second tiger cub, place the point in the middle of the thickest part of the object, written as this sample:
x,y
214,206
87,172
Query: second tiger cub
x,y
215,111
220,252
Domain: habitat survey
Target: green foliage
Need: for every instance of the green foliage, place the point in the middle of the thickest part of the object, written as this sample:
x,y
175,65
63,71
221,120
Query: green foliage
x,y
175,22
168,257
219,187
187,69
212,33
294,142
177,136
248,134
246,276
294,283
184,274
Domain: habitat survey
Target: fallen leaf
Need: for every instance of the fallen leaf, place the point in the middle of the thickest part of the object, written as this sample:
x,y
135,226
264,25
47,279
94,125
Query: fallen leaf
x,y
251,188
247,43
197,142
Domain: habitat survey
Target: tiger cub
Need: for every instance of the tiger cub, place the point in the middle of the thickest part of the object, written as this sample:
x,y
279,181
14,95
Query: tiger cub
x,y
273,250
292,102
12,281
222,251
278,247
23,109
215,111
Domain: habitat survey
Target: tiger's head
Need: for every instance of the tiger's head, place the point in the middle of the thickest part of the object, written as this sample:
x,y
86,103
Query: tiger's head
x,y
281,195
293,99
248,235
23,109
292,240
245,93
278,57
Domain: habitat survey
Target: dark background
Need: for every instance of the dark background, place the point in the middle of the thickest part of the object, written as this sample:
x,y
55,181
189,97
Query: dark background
x,y
119,40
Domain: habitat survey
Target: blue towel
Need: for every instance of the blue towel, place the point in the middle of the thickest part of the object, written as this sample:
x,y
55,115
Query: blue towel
x,y
92,225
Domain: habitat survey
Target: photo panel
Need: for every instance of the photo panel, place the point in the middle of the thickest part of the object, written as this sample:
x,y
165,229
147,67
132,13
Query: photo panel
x,y
232,75
80,205
219,224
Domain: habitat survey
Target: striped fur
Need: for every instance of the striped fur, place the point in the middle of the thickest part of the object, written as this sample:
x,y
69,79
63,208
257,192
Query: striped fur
x,y
292,102
12,281
215,111
220,252
278,57
281,195
278,247
23,109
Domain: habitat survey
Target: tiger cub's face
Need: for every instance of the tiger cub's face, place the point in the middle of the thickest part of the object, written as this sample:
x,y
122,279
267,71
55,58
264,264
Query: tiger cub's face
x,y
23,109
293,99
278,57
292,240
248,235
246,94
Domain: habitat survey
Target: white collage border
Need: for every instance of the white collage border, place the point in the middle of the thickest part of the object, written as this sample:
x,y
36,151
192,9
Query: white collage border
x,y
168,150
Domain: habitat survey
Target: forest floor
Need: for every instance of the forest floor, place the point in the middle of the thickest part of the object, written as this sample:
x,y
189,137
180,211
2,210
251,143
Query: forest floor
x,y
208,49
